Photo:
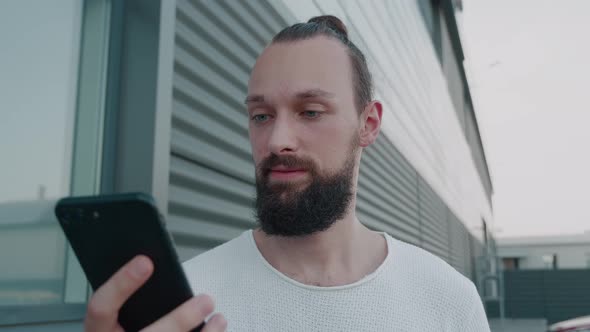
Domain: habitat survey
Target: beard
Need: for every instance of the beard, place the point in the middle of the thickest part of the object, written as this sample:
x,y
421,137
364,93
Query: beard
x,y
283,209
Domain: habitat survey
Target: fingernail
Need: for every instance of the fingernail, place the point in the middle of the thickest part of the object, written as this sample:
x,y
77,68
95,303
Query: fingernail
x,y
141,267
222,322
204,304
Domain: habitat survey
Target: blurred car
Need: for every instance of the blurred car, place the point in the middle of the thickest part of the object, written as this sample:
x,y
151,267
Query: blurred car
x,y
579,324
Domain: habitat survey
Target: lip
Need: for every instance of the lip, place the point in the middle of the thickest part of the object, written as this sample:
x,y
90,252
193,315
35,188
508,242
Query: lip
x,y
280,173
285,169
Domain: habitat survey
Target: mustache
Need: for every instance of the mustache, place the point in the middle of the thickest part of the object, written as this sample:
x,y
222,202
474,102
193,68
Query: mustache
x,y
287,161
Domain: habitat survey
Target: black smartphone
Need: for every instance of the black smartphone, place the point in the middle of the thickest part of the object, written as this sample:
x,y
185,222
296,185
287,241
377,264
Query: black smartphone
x,y
107,231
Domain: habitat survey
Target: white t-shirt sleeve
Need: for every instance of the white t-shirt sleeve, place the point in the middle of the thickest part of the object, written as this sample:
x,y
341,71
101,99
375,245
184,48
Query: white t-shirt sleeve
x,y
476,320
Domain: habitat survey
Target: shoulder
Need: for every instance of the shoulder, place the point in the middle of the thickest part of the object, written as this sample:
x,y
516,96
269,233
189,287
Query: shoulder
x,y
208,269
427,267
226,251
441,284
438,289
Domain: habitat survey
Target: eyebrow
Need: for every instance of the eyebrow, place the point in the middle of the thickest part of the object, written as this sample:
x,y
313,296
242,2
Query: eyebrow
x,y
314,93
254,99
307,94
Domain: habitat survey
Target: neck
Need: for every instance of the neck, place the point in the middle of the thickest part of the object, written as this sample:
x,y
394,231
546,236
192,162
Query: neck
x,y
340,255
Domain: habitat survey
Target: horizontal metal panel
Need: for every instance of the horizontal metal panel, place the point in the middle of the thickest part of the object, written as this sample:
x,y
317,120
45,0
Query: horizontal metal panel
x,y
192,176
388,183
215,82
198,151
383,183
198,124
411,108
397,45
211,191
469,259
195,96
258,14
433,221
384,186
206,207
458,243
382,157
370,217
434,243
433,208
203,207
217,33
399,216
187,41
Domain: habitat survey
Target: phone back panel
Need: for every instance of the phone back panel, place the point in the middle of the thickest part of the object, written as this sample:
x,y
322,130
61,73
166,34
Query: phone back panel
x,y
108,231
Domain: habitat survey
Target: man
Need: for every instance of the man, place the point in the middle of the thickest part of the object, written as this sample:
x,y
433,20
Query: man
x,y
311,265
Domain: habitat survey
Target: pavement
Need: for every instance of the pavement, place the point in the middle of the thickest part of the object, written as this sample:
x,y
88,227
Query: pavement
x,y
518,325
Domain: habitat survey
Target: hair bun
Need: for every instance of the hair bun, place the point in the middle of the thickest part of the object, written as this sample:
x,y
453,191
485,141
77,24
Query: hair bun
x,y
332,22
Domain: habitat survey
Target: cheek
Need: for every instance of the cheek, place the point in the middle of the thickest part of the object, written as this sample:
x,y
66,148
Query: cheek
x,y
258,145
338,133
331,143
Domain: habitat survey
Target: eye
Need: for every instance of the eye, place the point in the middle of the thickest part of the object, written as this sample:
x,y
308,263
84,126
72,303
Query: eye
x,y
260,118
311,114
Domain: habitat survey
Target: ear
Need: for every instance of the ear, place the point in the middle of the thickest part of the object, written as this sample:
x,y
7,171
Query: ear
x,y
370,123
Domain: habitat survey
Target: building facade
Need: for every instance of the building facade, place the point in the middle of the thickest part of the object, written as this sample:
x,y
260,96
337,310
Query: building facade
x,y
159,108
545,252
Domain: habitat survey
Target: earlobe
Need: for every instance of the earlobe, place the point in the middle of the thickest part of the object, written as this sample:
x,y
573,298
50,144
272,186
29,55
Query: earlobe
x,y
371,123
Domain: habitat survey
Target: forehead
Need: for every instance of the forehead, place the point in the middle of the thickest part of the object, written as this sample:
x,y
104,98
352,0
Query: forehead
x,y
288,67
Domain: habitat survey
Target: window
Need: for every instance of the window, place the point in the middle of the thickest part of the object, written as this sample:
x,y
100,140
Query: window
x,y
510,263
550,261
50,97
39,70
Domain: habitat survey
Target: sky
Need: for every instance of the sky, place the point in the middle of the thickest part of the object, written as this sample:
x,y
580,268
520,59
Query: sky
x,y
528,64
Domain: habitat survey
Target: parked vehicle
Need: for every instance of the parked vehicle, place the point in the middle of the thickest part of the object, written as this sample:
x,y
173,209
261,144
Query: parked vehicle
x,y
579,324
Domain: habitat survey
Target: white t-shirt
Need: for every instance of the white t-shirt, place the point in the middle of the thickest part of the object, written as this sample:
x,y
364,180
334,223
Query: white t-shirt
x,y
412,290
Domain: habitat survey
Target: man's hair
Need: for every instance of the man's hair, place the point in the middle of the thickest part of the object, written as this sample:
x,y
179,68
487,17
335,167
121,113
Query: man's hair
x,y
332,26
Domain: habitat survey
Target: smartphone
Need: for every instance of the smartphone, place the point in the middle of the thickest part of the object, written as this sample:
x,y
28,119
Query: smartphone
x,y
107,231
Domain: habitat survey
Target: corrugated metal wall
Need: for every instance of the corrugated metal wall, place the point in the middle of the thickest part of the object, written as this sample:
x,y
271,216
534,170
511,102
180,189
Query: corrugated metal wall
x,y
211,171
387,193
460,246
433,218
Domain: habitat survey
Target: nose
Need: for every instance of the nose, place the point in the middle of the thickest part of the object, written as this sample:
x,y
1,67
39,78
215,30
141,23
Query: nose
x,y
283,138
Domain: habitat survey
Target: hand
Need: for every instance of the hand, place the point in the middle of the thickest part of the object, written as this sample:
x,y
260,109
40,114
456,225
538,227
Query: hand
x,y
105,303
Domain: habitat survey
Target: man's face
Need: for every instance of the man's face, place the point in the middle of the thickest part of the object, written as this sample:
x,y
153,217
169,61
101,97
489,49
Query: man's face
x,y
304,131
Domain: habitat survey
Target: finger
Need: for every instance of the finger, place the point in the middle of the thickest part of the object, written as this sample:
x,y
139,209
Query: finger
x,y
186,317
217,323
103,307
